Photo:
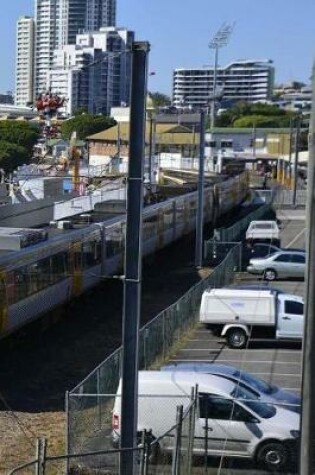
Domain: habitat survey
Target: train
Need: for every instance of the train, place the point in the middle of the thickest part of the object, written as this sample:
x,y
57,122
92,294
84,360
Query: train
x,y
39,278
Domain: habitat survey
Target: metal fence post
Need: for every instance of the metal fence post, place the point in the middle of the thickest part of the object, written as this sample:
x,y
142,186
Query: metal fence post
x,y
191,431
178,442
240,256
67,430
143,453
206,444
99,405
41,445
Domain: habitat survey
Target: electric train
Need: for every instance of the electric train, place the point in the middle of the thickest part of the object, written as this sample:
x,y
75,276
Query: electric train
x,y
38,278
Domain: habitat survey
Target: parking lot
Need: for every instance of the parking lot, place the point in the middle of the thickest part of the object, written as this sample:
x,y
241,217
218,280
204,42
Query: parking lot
x,y
276,362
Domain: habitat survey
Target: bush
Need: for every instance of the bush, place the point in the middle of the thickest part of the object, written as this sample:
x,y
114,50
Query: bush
x,y
12,156
85,125
261,121
19,133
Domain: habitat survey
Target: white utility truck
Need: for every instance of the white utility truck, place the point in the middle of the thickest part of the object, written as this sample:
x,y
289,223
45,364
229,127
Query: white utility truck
x,y
266,231
239,314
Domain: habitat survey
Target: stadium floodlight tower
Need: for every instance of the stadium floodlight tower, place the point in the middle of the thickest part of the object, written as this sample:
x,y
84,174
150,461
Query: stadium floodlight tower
x,y
220,39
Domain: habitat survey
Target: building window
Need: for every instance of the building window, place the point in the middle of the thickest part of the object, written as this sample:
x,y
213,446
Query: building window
x,y
226,143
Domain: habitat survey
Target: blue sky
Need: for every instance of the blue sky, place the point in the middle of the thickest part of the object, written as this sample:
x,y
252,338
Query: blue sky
x,y
179,32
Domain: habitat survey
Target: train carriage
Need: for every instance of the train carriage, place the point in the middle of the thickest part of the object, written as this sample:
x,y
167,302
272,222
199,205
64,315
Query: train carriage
x,y
46,275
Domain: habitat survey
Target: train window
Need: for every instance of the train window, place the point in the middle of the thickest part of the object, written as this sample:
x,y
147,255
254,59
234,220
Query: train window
x,y
39,275
168,217
20,284
179,211
91,250
150,226
59,266
114,240
2,292
193,209
76,256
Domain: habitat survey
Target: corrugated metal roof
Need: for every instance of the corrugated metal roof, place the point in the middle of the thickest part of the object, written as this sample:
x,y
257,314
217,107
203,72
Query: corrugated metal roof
x,y
249,130
165,134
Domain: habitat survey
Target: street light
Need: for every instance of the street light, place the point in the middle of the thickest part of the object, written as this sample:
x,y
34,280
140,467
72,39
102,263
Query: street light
x,y
220,39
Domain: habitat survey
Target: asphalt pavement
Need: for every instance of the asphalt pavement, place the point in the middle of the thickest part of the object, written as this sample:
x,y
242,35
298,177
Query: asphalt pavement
x,y
279,363
276,362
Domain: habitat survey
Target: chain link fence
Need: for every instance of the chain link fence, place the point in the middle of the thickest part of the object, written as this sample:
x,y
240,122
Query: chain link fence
x,y
287,198
235,233
89,405
171,453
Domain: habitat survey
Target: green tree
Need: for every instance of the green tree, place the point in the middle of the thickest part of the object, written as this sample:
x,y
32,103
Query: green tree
x,y
19,133
159,99
12,156
262,121
85,125
243,114
80,111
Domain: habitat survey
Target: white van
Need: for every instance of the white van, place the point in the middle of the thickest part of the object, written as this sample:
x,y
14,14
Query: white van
x,y
238,423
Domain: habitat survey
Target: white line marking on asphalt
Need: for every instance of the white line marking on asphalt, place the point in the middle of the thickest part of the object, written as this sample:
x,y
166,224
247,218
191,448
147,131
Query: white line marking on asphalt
x,y
296,238
252,350
219,360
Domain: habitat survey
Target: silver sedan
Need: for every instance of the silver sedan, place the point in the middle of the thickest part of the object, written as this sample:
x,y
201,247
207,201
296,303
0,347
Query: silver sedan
x,y
278,265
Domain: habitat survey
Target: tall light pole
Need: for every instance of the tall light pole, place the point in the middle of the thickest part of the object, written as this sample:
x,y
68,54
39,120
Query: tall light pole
x,y
308,376
199,222
133,256
220,39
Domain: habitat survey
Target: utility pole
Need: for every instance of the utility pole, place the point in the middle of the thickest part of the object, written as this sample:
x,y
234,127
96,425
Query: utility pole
x,y
296,158
290,153
118,140
220,39
199,224
254,141
133,257
308,374
150,147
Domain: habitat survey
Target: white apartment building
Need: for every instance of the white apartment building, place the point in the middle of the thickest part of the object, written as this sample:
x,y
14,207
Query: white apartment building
x,y
24,61
101,86
244,80
57,24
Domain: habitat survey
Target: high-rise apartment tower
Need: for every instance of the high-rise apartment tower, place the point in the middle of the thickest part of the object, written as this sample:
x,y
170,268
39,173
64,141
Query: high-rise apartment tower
x,y
24,61
57,24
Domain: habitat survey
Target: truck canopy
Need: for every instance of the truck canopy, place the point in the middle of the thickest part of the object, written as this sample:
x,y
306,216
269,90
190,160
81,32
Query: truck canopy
x,y
226,305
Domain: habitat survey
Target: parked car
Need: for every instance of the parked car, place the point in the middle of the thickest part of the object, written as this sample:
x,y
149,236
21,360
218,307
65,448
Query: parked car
x,y
266,231
260,249
235,423
264,391
278,265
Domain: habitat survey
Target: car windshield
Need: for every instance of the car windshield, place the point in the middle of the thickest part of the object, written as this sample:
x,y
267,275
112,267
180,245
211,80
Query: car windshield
x,y
255,383
250,399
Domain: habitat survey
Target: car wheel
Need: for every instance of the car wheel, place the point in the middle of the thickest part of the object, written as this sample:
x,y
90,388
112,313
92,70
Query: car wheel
x,y
273,456
270,274
237,338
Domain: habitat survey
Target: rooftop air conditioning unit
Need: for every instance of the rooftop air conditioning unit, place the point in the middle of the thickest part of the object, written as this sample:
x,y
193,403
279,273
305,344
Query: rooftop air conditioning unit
x,y
64,225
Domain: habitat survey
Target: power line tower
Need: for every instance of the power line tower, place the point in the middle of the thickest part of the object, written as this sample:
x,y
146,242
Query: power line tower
x,y
220,39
